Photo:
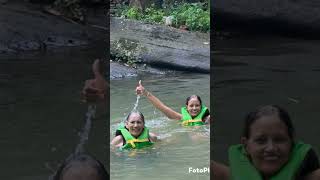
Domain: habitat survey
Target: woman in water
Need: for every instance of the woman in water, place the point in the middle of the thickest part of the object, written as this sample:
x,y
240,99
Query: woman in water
x,y
134,135
269,151
192,114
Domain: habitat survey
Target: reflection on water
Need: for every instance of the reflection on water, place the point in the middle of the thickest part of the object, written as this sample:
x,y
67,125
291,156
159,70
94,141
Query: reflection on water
x,y
256,71
41,112
179,148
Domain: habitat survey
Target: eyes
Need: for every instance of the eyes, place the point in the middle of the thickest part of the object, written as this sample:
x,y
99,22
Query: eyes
x,y
194,105
135,122
262,140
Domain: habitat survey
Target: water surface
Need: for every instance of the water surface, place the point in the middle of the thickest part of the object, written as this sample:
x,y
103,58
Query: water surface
x,y
259,70
41,111
180,147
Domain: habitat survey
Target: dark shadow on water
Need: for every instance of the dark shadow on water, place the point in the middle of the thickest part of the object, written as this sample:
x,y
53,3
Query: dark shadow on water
x,y
220,63
280,70
237,81
238,25
42,113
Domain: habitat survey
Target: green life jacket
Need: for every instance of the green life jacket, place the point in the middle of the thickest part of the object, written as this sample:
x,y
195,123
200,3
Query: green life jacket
x,y
135,143
196,121
242,168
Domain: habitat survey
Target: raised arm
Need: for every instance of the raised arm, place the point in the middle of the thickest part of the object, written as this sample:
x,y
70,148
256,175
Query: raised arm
x,y
95,89
170,113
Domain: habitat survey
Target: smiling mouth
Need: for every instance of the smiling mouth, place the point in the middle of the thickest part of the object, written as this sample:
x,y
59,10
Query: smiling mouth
x,y
270,158
136,130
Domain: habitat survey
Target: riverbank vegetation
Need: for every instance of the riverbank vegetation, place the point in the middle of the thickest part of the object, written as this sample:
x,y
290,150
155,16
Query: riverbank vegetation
x,y
188,16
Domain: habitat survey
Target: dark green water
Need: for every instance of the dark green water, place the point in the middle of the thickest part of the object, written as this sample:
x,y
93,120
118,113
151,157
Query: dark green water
x,y
41,112
254,71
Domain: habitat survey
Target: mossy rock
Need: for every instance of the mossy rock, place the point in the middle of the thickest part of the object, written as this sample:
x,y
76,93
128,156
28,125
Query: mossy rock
x,y
127,50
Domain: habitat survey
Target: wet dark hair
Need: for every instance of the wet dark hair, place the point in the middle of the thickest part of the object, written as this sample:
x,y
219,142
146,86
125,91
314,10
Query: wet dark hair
x,y
82,158
135,112
268,110
192,96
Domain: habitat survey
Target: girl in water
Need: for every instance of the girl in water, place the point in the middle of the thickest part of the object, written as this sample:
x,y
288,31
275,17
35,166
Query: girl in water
x,y
269,151
194,113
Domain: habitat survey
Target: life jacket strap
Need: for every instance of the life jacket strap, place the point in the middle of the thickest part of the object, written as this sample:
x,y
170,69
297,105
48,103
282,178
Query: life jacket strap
x,y
136,140
186,122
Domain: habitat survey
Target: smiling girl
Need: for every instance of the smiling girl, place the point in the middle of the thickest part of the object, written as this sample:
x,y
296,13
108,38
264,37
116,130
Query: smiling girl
x,y
268,150
192,114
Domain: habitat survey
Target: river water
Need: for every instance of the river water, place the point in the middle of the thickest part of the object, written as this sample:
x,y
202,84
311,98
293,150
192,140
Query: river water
x,y
42,115
259,70
41,111
180,147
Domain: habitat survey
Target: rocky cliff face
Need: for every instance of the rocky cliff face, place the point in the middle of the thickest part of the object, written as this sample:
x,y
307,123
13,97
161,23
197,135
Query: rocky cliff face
x,y
26,27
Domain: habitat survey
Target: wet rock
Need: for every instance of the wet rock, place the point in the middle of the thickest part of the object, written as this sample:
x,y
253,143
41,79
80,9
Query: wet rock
x,y
63,41
24,28
4,49
26,46
120,71
165,47
3,1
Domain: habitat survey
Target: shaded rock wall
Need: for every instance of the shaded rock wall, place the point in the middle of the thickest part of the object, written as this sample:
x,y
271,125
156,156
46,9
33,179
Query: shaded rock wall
x,y
27,27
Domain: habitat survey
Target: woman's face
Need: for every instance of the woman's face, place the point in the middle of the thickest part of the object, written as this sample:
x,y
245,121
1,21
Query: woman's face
x,y
135,124
194,106
268,145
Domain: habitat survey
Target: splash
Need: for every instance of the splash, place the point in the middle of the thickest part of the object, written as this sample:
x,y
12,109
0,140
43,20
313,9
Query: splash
x,y
84,135
136,104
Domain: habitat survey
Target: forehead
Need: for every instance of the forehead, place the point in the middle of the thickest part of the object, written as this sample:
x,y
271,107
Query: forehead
x,y
268,125
134,117
194,100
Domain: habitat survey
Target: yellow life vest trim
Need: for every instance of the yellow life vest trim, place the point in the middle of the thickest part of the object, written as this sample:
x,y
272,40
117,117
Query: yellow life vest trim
x,y
136,140
186,122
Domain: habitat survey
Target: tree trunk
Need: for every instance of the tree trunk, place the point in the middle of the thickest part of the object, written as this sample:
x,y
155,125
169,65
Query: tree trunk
x,y
143,4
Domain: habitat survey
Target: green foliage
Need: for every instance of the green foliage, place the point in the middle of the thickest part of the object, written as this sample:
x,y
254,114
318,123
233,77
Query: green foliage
x,y
153,15
134,13
195,16
71,9
126,51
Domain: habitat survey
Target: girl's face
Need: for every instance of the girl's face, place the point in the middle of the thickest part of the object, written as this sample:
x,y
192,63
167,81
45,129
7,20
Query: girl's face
x,y
194,106
135,124
268,145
